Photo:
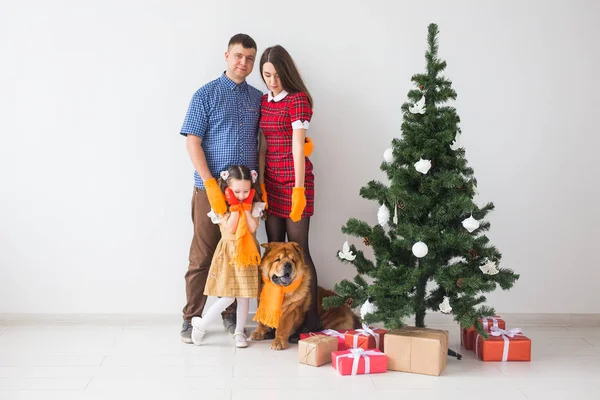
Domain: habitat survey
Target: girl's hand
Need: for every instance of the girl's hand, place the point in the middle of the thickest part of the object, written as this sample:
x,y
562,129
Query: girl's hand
x,y
230,197
250,197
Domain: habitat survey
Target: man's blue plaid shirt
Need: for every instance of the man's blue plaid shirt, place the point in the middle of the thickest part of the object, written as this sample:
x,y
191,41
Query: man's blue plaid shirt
x,y
225,115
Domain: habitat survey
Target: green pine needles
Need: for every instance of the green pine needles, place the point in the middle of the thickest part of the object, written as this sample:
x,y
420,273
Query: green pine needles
x,y
430,207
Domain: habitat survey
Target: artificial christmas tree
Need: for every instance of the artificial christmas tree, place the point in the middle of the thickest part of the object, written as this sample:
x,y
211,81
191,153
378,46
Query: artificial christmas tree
x,y
433,254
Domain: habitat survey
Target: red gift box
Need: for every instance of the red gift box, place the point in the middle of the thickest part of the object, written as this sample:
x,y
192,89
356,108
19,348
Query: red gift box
x,y
467,335
488,322
359,361
503,345
365,338
329,332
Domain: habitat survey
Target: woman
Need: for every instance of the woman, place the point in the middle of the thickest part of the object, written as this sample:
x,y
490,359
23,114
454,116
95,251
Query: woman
x,y
284,170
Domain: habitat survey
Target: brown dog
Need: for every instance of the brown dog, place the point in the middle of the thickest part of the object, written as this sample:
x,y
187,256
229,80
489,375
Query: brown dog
x,y
282,264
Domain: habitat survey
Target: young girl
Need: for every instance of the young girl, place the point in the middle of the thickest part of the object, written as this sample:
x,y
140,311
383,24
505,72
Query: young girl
x,y
233,271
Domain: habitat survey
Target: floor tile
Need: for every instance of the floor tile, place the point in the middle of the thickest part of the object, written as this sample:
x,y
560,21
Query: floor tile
x,y
43,384
137,358
170,394
49,360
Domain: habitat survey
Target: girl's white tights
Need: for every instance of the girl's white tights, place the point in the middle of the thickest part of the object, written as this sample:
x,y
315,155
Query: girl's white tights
x,y
243,305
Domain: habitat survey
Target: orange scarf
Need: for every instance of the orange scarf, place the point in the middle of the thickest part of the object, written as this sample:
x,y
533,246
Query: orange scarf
x,y
271,299
246,253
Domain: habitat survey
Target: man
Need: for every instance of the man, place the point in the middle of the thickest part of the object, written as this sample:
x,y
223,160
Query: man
x,y
221,129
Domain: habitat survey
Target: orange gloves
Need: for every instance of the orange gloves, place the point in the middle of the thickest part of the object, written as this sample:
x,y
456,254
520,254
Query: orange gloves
x,y
308,146
250,197
263,189
298,203
215,196
230,197
237,205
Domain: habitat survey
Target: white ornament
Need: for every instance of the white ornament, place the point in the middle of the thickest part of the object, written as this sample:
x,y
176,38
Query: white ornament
x,y
455,145
383,215
470,224
456,260
388,155
418,108
395,215
367,308
445,305
423,165
489,268
420,249
346,254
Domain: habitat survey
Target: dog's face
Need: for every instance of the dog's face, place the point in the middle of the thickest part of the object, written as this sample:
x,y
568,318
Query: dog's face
x,y
282,263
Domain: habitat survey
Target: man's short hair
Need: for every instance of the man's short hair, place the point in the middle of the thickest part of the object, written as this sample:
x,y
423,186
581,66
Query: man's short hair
x,y
245,40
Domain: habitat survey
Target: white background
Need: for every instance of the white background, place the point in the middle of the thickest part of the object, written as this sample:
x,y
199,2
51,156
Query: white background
x,y
95,182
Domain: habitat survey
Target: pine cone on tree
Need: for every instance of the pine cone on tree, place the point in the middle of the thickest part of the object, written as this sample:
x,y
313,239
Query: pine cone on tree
x,y
367,241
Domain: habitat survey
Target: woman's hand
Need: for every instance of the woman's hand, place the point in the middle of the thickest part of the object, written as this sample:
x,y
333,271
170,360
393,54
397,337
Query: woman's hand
x,y
298,203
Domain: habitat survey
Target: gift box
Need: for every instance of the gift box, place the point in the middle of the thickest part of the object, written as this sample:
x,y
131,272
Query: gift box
x,y
329,332
503,345
467,335
489,322
417,350
359,361
316,350
366,338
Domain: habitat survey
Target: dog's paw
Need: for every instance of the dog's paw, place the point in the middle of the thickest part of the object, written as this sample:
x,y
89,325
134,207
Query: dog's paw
x,y
279,344
257,335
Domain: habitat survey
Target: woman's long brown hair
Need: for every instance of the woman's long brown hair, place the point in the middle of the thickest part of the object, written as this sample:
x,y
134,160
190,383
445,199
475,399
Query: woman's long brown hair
x,y
286,69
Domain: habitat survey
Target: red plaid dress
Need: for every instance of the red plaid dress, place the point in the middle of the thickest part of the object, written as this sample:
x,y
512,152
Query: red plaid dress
x,y
276,124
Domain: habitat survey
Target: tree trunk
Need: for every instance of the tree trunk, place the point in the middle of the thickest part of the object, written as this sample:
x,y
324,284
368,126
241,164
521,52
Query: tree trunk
x,y
420,299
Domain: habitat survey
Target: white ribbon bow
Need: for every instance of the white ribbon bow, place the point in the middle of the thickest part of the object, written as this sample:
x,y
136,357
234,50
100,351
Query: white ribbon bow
x,y
366,331
356,354
486,324
495,331
331,332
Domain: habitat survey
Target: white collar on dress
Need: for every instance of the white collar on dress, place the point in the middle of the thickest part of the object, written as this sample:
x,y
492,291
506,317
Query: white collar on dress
x,y
279,97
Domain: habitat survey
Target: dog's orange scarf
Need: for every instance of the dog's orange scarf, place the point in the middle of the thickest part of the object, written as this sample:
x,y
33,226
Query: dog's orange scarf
x,y
271,299
246,253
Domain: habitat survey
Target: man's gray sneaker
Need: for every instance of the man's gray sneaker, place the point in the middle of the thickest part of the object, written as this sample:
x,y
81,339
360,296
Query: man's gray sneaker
x,y
186,332
229,321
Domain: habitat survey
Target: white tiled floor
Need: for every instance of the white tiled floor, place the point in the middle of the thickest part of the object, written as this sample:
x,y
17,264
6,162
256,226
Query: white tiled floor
x,y
140,358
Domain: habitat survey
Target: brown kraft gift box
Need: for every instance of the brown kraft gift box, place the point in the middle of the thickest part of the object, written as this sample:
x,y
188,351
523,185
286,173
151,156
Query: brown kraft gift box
x,y
417,350
316,350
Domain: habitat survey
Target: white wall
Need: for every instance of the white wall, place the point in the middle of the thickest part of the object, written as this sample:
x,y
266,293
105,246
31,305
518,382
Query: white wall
x,y
95,183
